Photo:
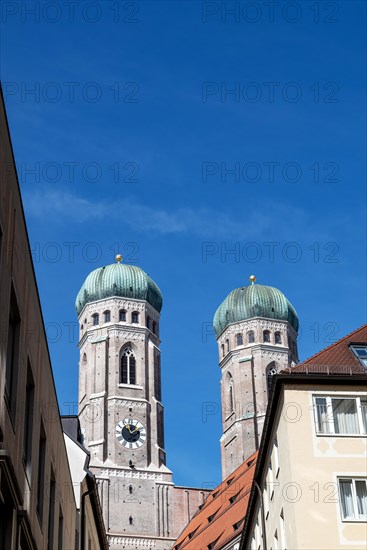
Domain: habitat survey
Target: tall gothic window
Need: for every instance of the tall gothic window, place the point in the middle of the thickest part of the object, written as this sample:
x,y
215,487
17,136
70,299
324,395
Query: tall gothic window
x,y
266,336
135,317
230,393
278,338
239,340
271,370
251,337
128,367
122,315
95,319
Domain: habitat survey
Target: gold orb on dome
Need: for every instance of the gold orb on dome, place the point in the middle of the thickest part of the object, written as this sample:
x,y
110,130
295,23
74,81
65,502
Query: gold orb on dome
x,y
252,279
118,258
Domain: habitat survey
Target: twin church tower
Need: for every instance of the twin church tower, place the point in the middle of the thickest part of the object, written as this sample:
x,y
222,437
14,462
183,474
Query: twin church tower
x,y
120,400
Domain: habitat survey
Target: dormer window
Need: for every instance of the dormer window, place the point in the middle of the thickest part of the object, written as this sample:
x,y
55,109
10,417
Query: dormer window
x,y
122,315
95,319
361,353
266,336
107,316
278,338
135,317
239,339
251,337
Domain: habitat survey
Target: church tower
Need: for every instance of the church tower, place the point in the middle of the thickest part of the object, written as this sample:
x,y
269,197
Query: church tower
x,y
120,403
256,329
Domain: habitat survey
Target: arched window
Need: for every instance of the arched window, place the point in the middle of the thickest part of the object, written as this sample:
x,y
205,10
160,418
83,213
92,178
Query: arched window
x,y
148,322
251,337
278,338
107,316
239,340
154,327
95,319
230,393
122,315
128,367
227,345
222,348
135,317
266,336
271,370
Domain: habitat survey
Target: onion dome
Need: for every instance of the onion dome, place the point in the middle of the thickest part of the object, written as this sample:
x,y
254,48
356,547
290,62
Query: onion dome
x,y
254,301
121,280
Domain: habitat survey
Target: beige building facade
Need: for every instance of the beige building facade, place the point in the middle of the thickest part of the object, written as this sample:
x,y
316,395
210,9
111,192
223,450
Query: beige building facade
x,y
310,484
38,508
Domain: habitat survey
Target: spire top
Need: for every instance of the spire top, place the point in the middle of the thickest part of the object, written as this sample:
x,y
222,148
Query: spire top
x,y
252,279
118,258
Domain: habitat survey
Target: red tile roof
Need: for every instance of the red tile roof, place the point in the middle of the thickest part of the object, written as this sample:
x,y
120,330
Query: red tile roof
x,y
221,517
335,359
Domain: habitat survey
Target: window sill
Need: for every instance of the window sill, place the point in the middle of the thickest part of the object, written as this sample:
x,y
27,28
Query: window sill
x,y
340,435
131,386
352,520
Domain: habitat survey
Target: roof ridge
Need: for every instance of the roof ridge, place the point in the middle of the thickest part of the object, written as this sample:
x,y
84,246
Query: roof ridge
x,y
332,345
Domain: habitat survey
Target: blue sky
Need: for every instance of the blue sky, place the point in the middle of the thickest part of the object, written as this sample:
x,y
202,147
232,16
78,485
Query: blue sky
x,y
204,146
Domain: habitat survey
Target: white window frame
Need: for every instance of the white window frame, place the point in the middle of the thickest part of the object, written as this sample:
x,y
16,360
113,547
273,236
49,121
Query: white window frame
x,y
330,415
362,361
354,519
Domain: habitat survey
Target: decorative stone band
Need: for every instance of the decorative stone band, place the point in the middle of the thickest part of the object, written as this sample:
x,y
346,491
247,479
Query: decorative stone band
x,y
131,474
253,324
137,542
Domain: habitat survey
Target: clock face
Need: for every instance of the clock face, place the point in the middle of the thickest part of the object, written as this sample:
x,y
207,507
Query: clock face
x,y
131,433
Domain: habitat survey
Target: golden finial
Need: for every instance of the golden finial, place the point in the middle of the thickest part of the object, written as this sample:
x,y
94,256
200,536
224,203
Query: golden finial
x,y
118,258
252,279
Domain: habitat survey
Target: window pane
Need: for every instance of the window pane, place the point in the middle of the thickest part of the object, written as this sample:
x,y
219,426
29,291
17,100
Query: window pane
x,y
364,414
345,416
124,369
361,492
132,370
323,425
346,498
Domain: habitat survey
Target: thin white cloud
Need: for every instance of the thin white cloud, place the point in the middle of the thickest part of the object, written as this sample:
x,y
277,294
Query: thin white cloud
x,y
261,221
204,222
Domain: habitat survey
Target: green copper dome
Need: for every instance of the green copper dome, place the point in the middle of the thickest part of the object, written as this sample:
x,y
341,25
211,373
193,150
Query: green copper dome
x,y
254,301
125,281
